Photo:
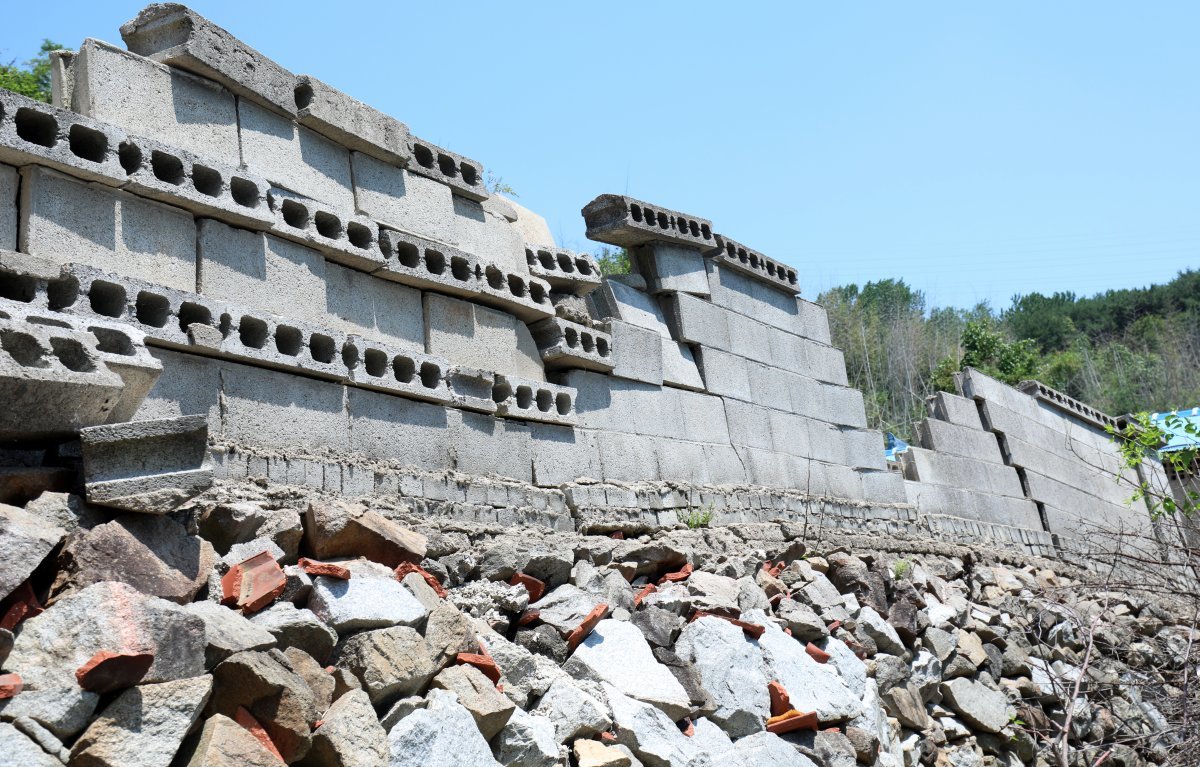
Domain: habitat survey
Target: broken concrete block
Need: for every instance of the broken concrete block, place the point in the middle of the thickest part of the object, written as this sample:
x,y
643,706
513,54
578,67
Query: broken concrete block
x,y
350,122
565,345
154,554
565,270
339,529
264,684
26,539
463,175
730,671
145,725
149,467
227,524
108,671
812,686
204,186
34,133
620,220
176,35
527,741
225,743
75,221
478,694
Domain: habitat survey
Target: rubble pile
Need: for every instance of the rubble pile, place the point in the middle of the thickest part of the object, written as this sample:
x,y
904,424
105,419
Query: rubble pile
x,y
261,625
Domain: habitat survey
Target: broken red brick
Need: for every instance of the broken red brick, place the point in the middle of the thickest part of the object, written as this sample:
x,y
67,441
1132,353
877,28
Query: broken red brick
x,y
791,721
617,536
787,631
774,569
649,589
108,671
408,567
528,616
317,724
328,569
10,685
677,576
780,702
816,653
689,727
534,586
22,603
752,630
481,660
834,626
251,725
580,632
608,737
253,583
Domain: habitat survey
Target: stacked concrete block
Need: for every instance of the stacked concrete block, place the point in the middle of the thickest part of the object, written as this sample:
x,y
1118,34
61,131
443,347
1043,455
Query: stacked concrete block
x,y
735,255
634,307
565,345
484,230
350,122
463,175
8,207
294,157
637,352
477,336
35,133
527,400
945,437
533,228
669,267
360,303
564,270
624,221
341,236
75,221
402,199
150,99
954,409
149,467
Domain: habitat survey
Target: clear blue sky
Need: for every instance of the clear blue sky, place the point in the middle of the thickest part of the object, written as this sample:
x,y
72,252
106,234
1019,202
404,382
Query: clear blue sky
x,y
976,150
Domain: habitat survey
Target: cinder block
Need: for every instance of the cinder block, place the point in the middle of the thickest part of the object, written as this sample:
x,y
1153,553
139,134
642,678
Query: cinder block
x,y
483,444
262,339
350,122
768,468
695,321
481,229
386,428
402,199
734,290
724,466
35,133
424,264
614,404
74,221
342,236
384,311
294,157
203,186
176,35
188,385
637,353
154,100
680,461
476,336
533,228
627,457
564,345
463,175
946,437
750,262
883,486
527,400
1076,471
864,448
671,268
616,300
956,471
279,410
150,467
123,350
725,374
623,221
954,409
750,425
261,271
973,505
8,207
813,322
471,388
679,368
562,454
702,417
565,270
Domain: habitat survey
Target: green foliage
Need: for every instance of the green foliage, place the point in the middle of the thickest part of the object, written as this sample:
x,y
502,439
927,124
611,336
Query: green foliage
x,y
31,79
986,348
496,185
696,518
613,261
1140,440
901,569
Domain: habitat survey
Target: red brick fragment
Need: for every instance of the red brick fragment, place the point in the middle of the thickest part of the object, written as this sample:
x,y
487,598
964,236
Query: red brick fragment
x,y
10,685
317,724
787,631
580,632
780,702
22,603
408,567
649,589
108,671
617,536
328,569
481,660
677,576
834,626
608,737
253,583
774,569
791,721
535,587
689,728
251,725
752,630
816,653
528,616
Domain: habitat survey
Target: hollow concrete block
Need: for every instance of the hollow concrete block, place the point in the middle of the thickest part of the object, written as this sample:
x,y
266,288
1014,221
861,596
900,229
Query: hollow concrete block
x,y
295,157
734,290
344,237
671,268
350,122
8,207
401,199
481,230
477,336
188,385
679,368
564,345
150,467
150,99
462,175
624,221
32,132
637,353
565,270
75,221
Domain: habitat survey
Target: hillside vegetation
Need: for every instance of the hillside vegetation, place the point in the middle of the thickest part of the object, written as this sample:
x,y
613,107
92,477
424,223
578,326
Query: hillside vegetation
x,y
1120,351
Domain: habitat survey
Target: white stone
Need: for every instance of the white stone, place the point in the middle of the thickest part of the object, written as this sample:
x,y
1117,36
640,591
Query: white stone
x,y
443,734
766,749
368,600
886,638
811,686
616,652
573,712
730,667
648,732
526,741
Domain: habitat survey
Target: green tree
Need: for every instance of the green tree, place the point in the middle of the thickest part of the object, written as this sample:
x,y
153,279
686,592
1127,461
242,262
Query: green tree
x,y
33,78
613,261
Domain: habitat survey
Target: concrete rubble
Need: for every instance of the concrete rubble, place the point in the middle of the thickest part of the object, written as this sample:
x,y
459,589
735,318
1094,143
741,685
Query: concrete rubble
x,y
317,452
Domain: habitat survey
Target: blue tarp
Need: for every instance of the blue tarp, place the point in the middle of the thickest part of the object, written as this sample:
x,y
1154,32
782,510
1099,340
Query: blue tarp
x,y
1181,439
894,445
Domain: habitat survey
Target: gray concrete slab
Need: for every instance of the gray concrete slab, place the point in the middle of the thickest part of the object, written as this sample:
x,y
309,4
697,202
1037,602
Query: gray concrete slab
x,y
973,504
946,437
387,428
741,293
477,336
176,35
750,262
151,99
463,175
35,133
954,409
350,122
360,303
146,466
295,157
565,270
273,409
562,454
955,471
75,221
188,385
679,368
637,353
483,444
1075,471
481,229
402,199
672,268
624,221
